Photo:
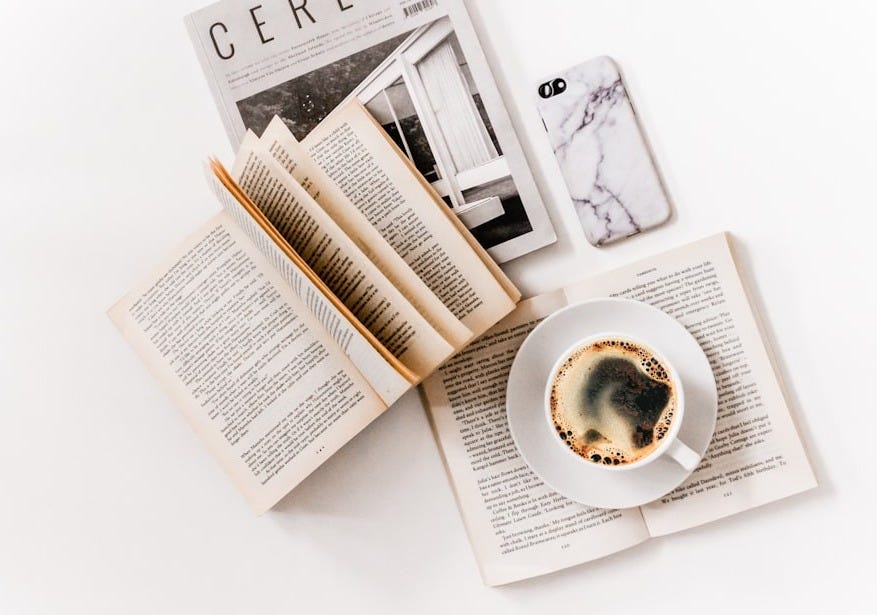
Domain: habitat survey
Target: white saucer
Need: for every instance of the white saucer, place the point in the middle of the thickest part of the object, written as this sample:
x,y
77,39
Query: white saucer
x,y
578,479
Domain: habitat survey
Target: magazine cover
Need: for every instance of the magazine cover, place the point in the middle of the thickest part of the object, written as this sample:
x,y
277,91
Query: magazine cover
x,y
419,69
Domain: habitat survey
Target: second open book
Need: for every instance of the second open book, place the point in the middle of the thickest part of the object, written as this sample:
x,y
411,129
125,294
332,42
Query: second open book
x,y
519,527
333,281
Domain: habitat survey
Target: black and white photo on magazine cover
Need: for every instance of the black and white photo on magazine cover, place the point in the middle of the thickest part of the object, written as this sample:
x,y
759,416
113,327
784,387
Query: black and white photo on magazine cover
x,y
418,86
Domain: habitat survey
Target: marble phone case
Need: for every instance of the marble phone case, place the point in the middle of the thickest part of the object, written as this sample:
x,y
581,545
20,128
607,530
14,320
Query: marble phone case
x,y
602,153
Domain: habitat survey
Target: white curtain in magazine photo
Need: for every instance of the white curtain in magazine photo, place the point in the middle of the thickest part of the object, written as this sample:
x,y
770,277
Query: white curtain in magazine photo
x,y
423,87
462,128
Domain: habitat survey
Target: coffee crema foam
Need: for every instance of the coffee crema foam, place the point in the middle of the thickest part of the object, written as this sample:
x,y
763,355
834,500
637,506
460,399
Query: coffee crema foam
x,y
613,401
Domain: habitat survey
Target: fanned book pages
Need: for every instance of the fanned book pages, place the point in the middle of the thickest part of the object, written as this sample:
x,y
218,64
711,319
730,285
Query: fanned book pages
x,y
518,526
419,69
311,302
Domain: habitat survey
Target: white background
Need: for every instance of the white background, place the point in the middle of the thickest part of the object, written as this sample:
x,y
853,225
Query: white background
x,y
762,117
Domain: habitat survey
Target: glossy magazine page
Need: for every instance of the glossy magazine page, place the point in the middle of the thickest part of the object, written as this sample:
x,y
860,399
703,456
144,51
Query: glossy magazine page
x,y
418,68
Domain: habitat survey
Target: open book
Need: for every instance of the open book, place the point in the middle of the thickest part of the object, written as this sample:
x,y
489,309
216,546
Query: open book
x,y
518,526
333,281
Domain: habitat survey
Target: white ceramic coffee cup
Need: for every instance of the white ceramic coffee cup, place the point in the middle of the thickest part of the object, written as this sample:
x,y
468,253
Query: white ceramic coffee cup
x,y
670,445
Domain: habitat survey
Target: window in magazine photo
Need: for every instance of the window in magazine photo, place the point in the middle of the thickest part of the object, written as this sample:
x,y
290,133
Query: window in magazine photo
x,y
419,88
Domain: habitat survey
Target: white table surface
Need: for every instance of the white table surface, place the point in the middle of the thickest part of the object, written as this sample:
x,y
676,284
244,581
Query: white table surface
x,y
762,117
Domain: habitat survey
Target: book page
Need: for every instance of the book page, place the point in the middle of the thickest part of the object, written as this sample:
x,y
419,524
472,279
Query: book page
x,y
291,155
338,262
755,456
356,154
390,381
518,526
252,369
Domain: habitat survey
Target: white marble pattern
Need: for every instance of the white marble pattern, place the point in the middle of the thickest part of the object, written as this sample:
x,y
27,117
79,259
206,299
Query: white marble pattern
x,y
602,154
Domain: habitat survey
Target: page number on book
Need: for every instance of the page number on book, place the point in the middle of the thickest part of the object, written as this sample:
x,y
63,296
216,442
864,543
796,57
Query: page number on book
x,y
415,8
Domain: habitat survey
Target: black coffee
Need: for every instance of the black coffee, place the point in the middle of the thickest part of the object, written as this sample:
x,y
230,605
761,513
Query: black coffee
x,y
613,401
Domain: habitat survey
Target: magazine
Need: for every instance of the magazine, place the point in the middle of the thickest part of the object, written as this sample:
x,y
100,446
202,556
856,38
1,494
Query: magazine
x,y
418,68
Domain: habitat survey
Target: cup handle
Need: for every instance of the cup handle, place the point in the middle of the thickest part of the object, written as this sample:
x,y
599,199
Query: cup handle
x,y
683,455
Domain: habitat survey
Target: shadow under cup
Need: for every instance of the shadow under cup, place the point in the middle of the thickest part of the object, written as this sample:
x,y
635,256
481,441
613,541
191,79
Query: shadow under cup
x,y
616,403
